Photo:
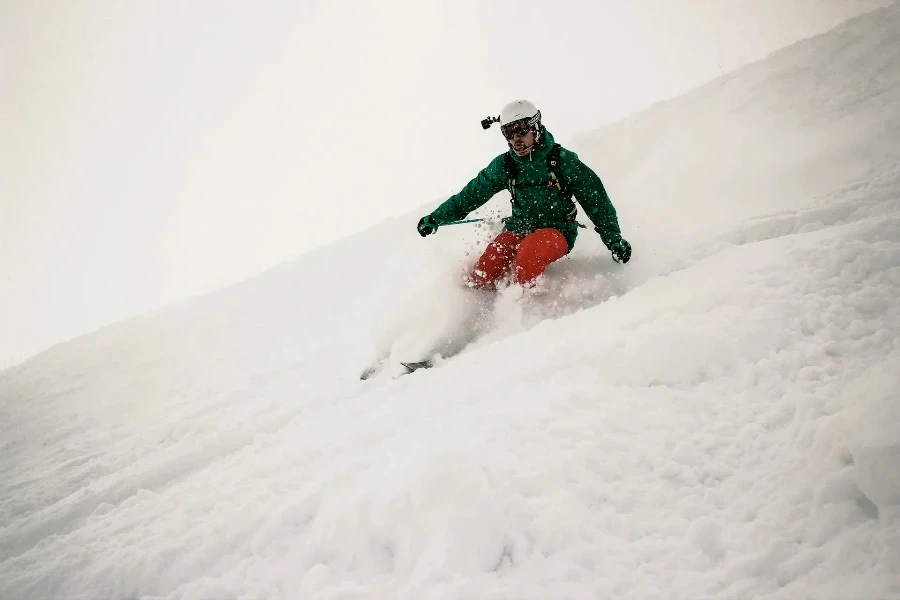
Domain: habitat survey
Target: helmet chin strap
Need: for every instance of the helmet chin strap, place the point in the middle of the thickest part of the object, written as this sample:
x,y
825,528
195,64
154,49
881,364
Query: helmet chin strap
x,y
524,152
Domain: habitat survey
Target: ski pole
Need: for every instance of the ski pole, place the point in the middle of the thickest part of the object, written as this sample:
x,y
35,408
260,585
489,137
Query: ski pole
x,y
501,220
465,221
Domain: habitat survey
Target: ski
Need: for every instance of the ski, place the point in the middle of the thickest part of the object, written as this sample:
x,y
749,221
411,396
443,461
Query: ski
x,y
415,366
410,367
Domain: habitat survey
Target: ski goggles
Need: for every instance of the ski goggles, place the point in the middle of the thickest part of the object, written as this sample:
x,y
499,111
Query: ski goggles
x,y
515,128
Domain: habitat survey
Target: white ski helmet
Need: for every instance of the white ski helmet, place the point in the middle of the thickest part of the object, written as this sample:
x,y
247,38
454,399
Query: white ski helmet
x,y
524,111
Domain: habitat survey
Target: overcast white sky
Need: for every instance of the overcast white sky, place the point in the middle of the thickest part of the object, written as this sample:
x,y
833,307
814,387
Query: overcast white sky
x,y
149,151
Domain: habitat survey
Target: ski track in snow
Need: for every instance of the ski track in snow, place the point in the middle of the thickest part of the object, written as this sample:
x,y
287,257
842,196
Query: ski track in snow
x,y
718,419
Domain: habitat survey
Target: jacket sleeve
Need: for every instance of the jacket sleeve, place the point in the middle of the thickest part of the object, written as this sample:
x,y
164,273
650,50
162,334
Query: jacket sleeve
x,y
592,196
489,181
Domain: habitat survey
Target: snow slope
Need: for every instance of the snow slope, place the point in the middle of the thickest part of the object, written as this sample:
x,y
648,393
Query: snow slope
x,y
718,419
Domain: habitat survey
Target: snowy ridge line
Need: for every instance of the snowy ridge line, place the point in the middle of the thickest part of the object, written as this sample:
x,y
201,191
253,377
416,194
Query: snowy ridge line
x,y
858,201
851,202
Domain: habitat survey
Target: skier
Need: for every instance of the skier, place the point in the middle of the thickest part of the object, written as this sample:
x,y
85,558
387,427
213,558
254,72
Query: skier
x,y
541,176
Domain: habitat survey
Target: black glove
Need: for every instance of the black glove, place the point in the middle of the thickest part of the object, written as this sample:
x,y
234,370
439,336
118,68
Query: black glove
x,y
621,251
427,225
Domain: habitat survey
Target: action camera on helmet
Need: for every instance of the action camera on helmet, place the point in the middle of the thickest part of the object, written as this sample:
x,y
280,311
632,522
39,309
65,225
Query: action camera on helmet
x,y
486,123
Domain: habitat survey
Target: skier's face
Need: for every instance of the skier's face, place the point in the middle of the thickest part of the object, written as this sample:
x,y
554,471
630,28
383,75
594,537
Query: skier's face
x,y
521,142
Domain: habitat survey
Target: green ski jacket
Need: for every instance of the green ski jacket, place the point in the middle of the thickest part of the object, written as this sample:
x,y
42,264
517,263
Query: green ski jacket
x,y
538,202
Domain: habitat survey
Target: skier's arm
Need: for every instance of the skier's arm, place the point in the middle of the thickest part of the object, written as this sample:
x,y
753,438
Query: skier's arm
x,y
489,181
592,196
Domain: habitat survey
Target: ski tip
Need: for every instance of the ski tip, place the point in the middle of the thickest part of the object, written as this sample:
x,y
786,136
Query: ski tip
x,y
369,373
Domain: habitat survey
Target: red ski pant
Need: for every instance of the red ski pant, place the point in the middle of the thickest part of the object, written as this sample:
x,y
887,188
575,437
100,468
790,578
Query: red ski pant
x,y
525,256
